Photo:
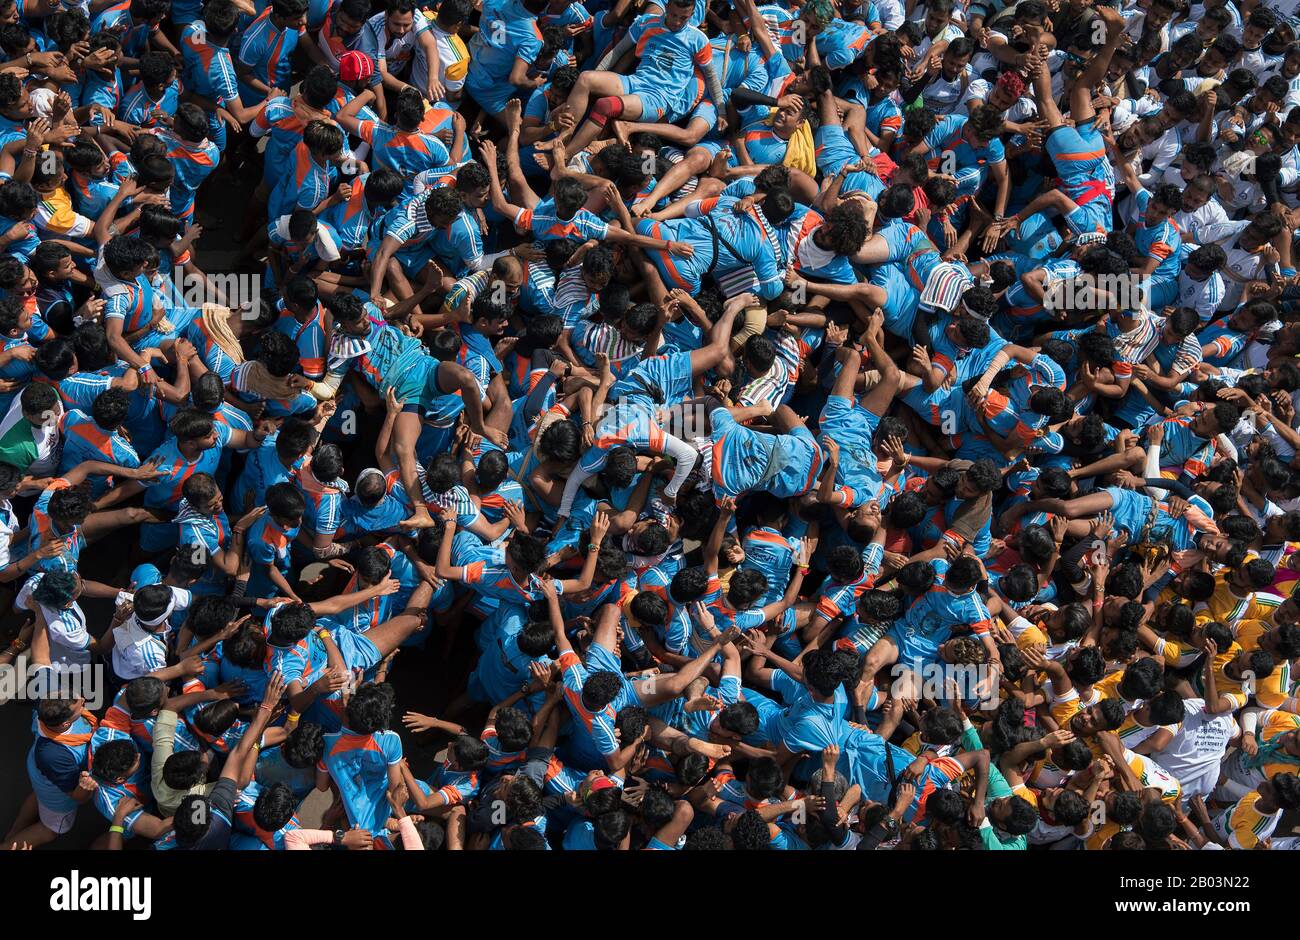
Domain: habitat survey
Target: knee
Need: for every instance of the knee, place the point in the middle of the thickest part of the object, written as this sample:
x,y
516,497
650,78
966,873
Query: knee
x,y
698,160
606,110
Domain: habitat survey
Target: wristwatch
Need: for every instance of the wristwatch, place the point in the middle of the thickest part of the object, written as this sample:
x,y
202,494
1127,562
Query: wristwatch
x,y
338,838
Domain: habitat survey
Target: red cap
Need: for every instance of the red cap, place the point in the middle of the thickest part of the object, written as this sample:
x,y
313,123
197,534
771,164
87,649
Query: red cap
x,y
355,65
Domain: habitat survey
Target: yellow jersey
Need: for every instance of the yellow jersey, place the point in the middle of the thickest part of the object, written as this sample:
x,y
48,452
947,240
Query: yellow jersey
x,y
1175,653
1131,733
1108,685
1025,792
1102,834
1273,724
1274,691
1064,707
1224,685
1030,637
1228,608
1245,827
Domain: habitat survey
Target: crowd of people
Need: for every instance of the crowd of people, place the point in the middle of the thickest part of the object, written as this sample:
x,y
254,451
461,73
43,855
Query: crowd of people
x,y
824,424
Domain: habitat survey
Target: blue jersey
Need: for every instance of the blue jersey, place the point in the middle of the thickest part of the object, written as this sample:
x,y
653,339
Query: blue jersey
x,y
745,240
84,440
592,740
164,491
546,226
268,546
268,51
841,42
911,249
305,186
669,61
207,70
407,152
142,109
770,553
359,766
743,459
507,31
806,725
1160,242
931,620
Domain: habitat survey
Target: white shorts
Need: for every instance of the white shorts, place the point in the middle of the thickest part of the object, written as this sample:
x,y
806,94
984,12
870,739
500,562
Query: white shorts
x,y
57,821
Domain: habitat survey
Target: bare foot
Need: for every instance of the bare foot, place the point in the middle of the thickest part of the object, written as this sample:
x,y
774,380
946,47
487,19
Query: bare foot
x,y
420,519
714,751
514,108
719,165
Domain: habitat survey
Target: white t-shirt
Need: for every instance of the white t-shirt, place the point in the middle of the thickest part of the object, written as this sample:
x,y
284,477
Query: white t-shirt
x,y
8,526
942,96
1198,748
1019,113
69,639
1194,226
136,650
449,53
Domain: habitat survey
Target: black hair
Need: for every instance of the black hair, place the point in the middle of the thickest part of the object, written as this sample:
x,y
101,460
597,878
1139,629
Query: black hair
x,y
304,746
371,707
750,832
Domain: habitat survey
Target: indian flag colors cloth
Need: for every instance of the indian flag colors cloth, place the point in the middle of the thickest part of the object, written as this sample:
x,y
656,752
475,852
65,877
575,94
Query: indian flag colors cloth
x,y
31,448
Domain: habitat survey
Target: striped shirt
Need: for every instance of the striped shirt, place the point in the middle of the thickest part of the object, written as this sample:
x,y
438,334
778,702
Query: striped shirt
x,y
573,299
1135,345
772,386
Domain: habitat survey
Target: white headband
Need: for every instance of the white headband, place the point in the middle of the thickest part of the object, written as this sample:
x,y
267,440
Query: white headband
x,y
171,606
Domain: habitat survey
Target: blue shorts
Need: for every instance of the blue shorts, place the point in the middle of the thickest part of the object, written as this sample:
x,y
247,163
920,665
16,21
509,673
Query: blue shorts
x,y
1094,216
158,536
853,428
1164,292
415,260
489,92
358,652
1079,161
655,102
675,272
901,300
834,149
713,147
1130,510
802,465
